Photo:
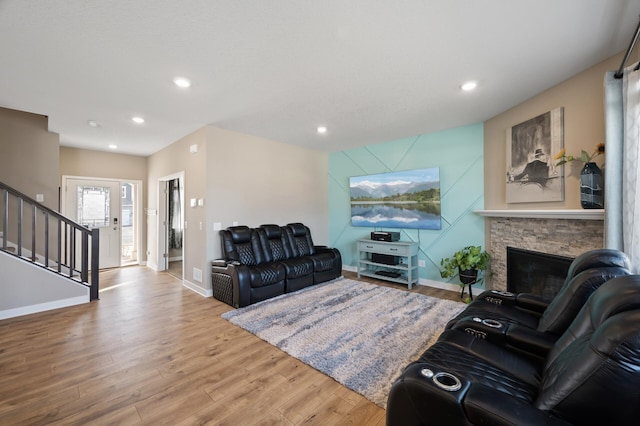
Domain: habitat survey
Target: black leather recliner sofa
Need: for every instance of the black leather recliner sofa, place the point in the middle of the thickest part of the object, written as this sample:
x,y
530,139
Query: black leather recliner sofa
x,y
536,311
591,375
264,262
532,323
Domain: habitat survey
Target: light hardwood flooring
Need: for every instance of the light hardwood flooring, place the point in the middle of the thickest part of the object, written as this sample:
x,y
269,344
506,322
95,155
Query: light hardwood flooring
x,y
175,269
152,352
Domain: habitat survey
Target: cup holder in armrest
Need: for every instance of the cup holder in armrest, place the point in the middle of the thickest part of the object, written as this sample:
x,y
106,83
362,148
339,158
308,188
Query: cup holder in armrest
x,y
492,323
500,297
488,329
447,381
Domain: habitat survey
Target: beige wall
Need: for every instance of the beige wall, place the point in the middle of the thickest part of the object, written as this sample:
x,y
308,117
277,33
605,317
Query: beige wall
x,y
29,155
83,162
240,178
108,165
582,97
255,181
174,159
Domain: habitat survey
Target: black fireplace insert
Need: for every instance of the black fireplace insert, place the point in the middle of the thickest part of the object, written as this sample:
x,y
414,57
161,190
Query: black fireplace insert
x,y
535,272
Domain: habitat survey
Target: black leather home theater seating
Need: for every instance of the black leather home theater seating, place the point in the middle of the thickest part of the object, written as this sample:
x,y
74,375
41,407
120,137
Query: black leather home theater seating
x,y
264,262
531,322
582,368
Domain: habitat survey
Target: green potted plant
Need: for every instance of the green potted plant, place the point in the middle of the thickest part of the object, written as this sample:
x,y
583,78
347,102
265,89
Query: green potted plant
x,y
465,263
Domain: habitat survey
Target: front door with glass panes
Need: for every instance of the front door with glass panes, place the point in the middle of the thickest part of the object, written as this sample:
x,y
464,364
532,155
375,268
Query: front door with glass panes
x,y
96,204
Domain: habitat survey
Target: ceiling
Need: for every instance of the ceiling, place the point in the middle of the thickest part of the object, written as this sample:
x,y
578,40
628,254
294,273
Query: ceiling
x,y
369,70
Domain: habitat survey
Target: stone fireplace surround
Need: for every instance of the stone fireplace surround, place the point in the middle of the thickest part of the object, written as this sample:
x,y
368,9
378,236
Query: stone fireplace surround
x,y
561,232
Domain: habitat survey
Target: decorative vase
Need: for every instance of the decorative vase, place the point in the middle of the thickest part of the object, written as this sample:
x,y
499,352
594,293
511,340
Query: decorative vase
x,y
469,276
591,187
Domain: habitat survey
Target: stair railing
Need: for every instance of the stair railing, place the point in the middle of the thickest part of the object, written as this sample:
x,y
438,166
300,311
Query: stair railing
x,y
44,237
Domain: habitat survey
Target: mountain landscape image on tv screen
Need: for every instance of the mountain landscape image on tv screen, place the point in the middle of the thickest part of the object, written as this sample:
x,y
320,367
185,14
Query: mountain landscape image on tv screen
x,y
409,199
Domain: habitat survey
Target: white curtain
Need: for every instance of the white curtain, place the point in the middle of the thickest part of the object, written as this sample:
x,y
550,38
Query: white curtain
x,y
175,214
630,177
622,181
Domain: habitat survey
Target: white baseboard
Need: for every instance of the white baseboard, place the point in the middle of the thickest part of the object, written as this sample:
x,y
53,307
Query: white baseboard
x,y
197,289
438,284
41,307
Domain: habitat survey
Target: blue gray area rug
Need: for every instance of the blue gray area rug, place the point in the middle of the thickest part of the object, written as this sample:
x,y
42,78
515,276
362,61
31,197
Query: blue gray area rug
x,y
360,334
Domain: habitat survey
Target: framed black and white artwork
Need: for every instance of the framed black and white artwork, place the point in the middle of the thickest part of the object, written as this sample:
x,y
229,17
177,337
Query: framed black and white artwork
x,y
532,175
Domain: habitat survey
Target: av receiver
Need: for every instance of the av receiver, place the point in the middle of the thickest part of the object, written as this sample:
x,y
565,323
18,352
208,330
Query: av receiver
x,y
385,236
386,259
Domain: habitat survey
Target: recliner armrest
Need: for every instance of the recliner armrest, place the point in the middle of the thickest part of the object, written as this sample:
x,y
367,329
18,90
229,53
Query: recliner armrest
x,y
240,278
326,249
417,398
519,337
498,297
532,302
485,405
486,329
529,340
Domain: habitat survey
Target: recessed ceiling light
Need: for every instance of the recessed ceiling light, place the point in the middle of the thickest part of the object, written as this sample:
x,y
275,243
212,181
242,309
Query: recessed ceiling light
x,y
182,82
113,146
92,123
469,85
138,120
322,129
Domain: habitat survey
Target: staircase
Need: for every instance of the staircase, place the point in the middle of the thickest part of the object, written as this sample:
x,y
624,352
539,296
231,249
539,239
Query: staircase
x,y
43,238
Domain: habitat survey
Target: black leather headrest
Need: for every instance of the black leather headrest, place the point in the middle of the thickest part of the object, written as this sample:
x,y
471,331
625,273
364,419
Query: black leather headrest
x,y
616,330
240,234
298,229
596,259
616,295
572,297
272,231
593,380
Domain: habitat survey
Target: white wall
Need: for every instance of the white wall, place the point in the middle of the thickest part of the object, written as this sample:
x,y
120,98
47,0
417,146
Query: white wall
x,y
26,289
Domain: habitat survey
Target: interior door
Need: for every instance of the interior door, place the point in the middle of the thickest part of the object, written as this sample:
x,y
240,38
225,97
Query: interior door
x,y
96,204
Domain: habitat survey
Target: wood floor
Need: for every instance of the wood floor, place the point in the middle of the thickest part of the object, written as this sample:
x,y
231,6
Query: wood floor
x,y
152,352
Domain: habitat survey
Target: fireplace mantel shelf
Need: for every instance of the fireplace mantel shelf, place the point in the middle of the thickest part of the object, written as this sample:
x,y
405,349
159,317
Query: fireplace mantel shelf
x,y
585,214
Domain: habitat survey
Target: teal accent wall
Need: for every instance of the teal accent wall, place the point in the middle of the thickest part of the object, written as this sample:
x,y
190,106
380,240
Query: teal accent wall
x,y
459,155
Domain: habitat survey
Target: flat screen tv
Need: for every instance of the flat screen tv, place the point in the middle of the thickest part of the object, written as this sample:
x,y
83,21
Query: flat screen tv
x,y
409,199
